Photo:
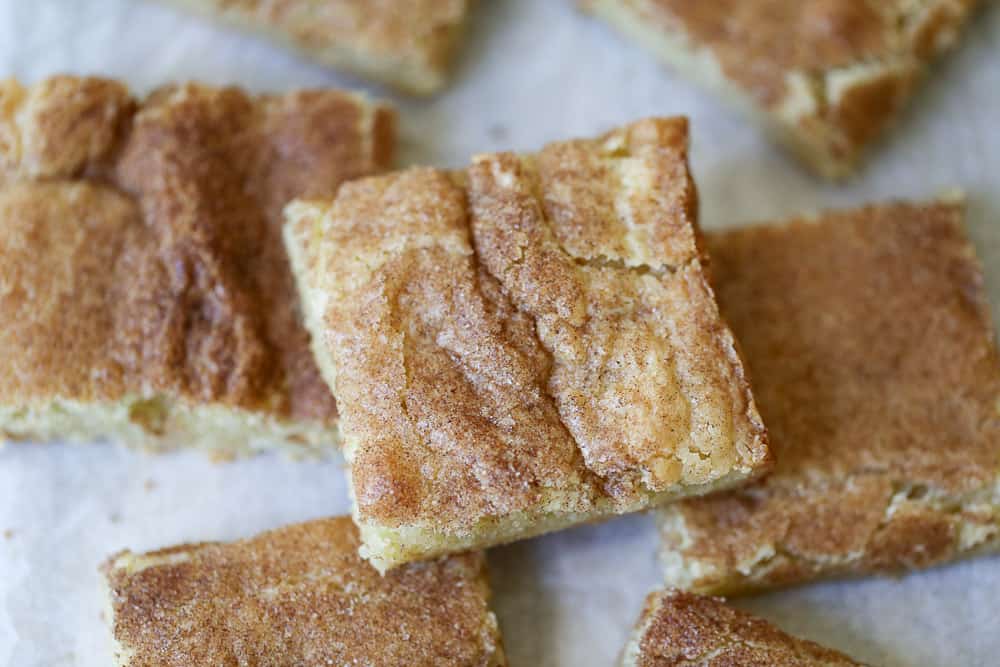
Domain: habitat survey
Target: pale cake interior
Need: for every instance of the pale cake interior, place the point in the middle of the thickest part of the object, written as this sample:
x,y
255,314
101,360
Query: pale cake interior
x,y
476,405
158,424
877,372
301,595
148,297
387,547
824,79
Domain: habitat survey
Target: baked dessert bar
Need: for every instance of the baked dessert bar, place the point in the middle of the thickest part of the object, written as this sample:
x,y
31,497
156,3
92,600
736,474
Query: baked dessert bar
x,y
145,293
873,358
300,596
525,345
826,78
678,628
407,44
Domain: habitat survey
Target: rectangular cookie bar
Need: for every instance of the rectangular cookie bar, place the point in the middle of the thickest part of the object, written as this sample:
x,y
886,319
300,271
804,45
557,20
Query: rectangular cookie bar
x,y
678,628
523,346
408,44
145,294
301,596
826,78
873,358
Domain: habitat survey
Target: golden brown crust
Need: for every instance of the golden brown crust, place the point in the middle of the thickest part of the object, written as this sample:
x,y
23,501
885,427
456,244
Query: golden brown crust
x,y
868,338
298,596
44,261
141,242
406,43
680,629
61,126
531,338
832,74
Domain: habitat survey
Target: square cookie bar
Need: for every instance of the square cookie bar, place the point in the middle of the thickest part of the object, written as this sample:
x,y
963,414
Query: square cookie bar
x,y
300,596
678,628
825,77
145,294
408,44
523,346
869,341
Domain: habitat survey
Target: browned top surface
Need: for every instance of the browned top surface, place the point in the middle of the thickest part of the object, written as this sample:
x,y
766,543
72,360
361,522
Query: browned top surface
x,y
872,355
759,42
298,596
56,338
141,241
684,630
533,334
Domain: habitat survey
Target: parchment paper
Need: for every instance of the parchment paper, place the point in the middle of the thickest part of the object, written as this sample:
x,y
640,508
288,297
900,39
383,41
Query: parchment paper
x,y
532,71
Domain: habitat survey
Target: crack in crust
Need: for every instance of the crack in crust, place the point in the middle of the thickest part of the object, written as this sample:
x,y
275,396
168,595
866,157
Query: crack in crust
x,y
529,342
678,629
603,326
876,370
143,269
827,76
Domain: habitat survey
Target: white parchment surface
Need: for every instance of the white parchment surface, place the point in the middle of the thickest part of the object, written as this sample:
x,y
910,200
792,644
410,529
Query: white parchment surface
x,y
532,71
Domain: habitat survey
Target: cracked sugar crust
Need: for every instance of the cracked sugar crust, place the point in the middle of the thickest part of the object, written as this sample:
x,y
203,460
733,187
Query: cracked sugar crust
x,y
868,339
408,44
530,339
141,240
679,629
832,73
298,595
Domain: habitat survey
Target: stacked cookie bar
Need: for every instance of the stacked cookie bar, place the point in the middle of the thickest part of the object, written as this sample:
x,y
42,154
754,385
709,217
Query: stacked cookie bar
x,y
525,345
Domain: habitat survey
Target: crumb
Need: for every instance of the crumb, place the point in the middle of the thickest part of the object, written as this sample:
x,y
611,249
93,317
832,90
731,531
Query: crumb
x,y
149,485
8,534
498,132
115,517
